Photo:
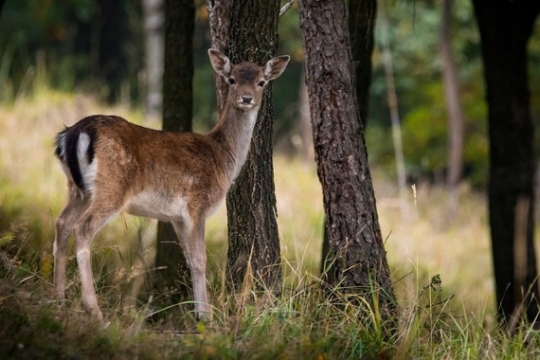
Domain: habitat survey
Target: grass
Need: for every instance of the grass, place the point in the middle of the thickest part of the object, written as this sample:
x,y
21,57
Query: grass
x,y
441,266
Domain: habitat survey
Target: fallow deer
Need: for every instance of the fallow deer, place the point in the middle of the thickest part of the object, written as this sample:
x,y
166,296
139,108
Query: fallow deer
x,y
115,166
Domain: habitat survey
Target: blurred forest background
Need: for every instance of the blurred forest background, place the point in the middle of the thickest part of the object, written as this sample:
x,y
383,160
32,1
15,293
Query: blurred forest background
x,y
74,47
62,60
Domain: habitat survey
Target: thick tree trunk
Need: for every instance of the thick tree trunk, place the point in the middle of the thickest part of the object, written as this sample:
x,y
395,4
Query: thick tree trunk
x,y
172,275
356,246
505,28
455,119
361,24
254,253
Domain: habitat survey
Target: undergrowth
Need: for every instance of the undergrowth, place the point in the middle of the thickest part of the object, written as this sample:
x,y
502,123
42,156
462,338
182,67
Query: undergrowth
x,y
301,323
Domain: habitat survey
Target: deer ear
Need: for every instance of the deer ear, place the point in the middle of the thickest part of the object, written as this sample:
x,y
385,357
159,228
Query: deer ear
x,y
220,63
275,67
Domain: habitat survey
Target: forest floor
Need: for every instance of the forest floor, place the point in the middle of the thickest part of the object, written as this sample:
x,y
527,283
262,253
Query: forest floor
x,y
440,261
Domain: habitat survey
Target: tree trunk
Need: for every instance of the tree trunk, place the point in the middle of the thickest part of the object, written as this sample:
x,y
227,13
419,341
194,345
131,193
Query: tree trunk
x,y
251,203
455,119
505,28
178,69
153,33
304,123
361,24
111,63
356,245
393,106
218,14
254,254
172,276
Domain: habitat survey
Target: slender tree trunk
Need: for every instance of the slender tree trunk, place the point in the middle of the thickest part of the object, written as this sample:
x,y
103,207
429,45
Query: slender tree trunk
x,y
505,28
111,18
154,46
251,202
393,106
304,123
172,276
178,70
356,247
455,119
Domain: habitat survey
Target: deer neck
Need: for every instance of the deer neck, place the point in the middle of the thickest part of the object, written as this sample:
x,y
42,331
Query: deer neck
x,y
233,133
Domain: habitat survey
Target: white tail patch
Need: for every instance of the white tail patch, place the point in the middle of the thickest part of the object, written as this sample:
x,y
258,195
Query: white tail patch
x,y
88,170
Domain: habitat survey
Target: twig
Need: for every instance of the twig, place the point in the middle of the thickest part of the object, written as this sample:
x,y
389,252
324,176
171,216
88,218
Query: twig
x,y
285,7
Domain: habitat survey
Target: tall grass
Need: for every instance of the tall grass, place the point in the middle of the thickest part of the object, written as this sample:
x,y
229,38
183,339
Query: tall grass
x,y
441,268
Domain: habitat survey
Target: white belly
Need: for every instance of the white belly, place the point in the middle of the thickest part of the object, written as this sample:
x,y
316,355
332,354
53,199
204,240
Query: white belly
x,y
156,206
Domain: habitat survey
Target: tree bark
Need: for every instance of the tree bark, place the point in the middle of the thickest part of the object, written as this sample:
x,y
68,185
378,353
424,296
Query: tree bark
x,y
254,254
505,28
218,14
172,276
455,119
361,25
358,259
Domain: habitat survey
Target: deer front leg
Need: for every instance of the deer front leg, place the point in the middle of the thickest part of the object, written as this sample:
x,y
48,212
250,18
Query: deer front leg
x,y
191,238
198,273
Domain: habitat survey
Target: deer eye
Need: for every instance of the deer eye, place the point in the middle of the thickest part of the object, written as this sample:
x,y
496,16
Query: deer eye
x,y
262,83
231,81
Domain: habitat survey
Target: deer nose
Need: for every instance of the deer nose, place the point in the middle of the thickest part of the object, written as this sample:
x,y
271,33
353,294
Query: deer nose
x,y
246,99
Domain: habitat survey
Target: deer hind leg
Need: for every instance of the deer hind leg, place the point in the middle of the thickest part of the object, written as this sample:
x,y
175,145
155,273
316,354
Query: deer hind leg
x,y
191,238
77,205
97,215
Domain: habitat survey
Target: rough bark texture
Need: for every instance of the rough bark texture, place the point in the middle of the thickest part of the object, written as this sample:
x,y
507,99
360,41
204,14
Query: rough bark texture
x,y
356,247
455,115
251,203
361,23
505,28
173,274
218,13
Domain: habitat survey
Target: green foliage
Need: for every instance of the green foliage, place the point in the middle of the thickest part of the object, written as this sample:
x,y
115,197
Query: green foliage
x,y
61,37
414,37
301,323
